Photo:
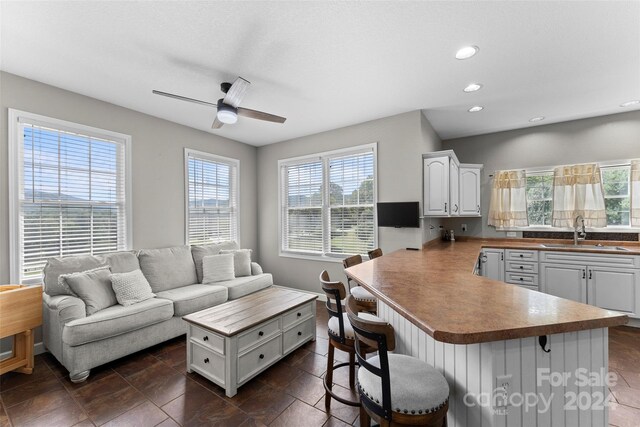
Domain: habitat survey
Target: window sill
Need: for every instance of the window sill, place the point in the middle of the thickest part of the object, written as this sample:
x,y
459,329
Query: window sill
x,y
610,229
321,258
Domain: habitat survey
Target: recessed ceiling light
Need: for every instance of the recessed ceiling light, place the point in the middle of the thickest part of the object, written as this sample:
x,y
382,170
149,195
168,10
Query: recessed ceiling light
x,y
467,52
630,103
473,87
536,119
475,109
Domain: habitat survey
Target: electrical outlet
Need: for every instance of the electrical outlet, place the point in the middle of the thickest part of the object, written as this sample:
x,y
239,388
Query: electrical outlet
x,y
502,390
512,234
464,227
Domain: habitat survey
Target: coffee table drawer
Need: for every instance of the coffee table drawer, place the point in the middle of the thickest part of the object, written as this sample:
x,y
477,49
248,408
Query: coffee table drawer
x,y
297,314
208,362
258,334
297,335
257,359
207,339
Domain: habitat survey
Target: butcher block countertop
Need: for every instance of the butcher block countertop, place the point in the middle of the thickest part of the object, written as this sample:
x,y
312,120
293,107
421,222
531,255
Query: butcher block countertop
x,y
436,290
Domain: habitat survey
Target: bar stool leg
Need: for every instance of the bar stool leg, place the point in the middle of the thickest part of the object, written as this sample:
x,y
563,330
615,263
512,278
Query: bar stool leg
x,y
352,370
329,376
365,419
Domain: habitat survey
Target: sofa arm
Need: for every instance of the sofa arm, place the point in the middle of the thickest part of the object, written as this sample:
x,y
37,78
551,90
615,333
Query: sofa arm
x,y
256,269
57,311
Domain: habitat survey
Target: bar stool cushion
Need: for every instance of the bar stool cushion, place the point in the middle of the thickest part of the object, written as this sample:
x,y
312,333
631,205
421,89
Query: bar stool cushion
x,y
334,324
416,387
362,294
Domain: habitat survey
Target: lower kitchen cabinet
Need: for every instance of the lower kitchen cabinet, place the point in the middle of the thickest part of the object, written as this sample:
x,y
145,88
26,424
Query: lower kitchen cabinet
x,y
564,280
614,289
492,264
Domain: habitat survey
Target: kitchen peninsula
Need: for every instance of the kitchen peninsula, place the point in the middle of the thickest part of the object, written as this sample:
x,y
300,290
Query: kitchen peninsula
x,y
495,342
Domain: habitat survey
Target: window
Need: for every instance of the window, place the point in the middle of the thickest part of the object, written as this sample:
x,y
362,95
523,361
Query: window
x,y
212,198
327,203
69,192
615,181
539,198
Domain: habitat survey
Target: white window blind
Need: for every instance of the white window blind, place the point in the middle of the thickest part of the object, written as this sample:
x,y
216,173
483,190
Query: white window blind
x,y
212,205
71,194
328,203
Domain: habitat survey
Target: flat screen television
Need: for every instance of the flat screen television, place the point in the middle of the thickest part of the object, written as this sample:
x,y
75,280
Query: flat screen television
x,y
399,214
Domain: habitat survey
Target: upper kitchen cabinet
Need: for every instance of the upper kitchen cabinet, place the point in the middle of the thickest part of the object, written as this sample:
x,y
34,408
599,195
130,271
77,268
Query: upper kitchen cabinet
x,y
449,188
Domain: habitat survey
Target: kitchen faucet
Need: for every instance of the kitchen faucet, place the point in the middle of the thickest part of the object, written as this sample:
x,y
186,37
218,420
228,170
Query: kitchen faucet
x,y
578,235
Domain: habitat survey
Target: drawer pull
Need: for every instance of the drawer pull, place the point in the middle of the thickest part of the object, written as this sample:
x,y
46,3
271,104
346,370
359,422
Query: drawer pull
x,y
521,256
261,356
206,360
206,338
299,333
521,279
522,267
260,333
299,314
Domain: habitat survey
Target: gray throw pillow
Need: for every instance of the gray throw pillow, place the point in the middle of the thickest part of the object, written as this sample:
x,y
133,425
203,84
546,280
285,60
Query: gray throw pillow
x,y
217,268
241,261
93,287
131,287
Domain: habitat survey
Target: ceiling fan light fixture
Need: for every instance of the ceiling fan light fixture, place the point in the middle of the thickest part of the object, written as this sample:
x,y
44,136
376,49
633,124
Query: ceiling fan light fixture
x,y
467,52
226,113
630,103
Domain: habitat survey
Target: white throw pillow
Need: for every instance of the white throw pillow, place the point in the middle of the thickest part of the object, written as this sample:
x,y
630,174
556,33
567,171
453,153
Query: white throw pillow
x,y
131,288
241,261
217,268
93,287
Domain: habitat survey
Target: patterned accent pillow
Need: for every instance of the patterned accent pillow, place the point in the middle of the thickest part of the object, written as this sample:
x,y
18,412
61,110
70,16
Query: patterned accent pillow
x,y
241,261
217,268
131,288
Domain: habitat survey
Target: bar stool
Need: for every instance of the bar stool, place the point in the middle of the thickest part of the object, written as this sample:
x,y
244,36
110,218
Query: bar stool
x,y
365,299
377,252
341,336
395,389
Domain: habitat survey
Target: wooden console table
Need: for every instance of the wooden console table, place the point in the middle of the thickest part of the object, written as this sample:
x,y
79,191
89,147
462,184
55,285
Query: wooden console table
x,y
233,342
20,314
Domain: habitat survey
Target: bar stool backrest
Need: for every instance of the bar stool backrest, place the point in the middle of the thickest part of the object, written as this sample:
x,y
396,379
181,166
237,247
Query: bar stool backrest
x,y
381,337
375,253
350,262
335,293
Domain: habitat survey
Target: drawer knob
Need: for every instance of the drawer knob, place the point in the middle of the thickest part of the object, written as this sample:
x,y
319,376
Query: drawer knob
x,y
206,338
299,333
522,278
521,256
522,267
299,314
260,333
206,360
261,356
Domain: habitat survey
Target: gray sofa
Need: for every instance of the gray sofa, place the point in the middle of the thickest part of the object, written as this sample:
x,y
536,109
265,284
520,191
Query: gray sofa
x,y
82,342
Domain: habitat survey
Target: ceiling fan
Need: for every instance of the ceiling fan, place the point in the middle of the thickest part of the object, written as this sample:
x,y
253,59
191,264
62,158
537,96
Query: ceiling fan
x,y
228,107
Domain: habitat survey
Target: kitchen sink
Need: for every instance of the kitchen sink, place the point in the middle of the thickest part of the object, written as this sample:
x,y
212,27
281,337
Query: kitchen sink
x,y
585,247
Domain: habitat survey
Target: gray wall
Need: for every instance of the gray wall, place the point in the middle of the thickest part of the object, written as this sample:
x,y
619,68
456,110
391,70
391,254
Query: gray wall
x,y
401,140
157,160
613,137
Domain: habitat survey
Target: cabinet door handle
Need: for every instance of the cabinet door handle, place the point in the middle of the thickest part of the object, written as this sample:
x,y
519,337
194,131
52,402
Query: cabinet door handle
x,y
261,356
206,360
590,274
584,274
445,206
260,333
502,257
478,208
456,208
206,338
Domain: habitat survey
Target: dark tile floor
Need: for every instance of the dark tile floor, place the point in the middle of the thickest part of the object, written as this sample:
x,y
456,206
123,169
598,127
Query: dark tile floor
x,y
152,388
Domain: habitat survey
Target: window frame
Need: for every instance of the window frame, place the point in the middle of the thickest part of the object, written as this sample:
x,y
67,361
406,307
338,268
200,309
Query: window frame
x,y
608,228
203,155
324,157
15,172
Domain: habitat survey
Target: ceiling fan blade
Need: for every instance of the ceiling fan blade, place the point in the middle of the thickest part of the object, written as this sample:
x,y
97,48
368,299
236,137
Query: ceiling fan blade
x,y
217,124
184,98
260,115
236,92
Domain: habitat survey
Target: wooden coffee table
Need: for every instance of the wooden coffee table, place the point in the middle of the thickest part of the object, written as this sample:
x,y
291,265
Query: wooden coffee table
x,y
233,342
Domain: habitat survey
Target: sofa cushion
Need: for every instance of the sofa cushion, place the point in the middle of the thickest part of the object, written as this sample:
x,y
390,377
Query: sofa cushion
x,y
168,268
65,265
121,262
93,287
200,251
116,320
192,298
217,268
241,286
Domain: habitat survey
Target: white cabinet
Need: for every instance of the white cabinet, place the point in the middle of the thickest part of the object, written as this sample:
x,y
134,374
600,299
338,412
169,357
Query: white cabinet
x,y
470,190
492,264
436,186
614,289
449,189
564,281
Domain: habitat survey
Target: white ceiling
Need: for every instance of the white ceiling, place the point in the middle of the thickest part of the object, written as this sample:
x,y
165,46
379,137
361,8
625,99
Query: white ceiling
x,y
326,65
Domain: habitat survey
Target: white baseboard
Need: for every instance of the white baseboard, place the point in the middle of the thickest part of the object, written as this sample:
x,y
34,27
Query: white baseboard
x,y
634,323
321,297
38,348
